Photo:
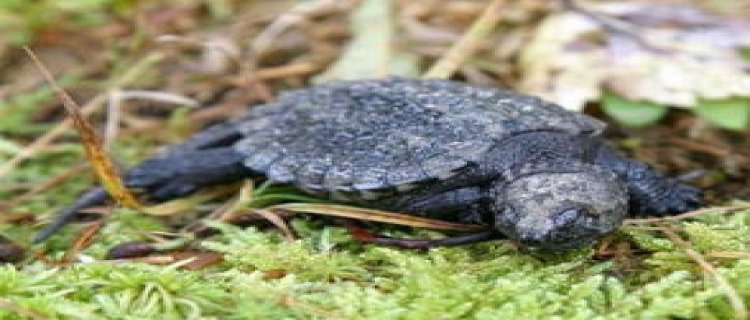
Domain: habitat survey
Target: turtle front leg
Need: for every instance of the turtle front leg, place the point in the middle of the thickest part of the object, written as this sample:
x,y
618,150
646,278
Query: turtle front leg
x,y
176,175
465,205
651,193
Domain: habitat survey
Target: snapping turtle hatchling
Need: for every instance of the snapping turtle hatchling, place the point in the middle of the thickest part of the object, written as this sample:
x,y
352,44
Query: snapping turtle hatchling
x,y
539,174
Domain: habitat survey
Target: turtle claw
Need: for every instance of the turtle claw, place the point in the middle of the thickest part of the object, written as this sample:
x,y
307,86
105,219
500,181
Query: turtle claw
x,y
686,198
677,198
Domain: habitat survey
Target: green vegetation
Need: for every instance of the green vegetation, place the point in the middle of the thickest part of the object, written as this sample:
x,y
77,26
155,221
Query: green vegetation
x,y
729,113
22,18
641,274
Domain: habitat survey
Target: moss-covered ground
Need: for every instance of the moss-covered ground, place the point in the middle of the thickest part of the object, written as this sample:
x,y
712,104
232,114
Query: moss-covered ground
x,y
684,269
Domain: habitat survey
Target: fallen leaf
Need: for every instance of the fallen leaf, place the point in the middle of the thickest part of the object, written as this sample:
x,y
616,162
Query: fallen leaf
x,y
728,113
632,113
10,253
134,249
674,55
198,260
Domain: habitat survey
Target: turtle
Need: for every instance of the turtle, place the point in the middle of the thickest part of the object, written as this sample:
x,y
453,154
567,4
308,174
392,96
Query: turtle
x,y
529,169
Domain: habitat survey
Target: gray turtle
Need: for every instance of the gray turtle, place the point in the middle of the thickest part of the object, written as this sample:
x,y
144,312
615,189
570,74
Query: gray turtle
x,y
539,174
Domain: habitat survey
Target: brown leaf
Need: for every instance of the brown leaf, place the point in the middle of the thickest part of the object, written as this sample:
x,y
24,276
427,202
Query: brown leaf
x,y
274,274
10,252
134,249
198,260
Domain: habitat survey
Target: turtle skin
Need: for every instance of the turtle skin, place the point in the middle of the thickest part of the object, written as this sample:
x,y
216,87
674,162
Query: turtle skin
x,y
536,172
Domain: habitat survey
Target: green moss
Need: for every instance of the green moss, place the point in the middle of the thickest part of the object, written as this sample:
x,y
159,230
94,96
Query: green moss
x,y
21,18
16,111
325,274
708,238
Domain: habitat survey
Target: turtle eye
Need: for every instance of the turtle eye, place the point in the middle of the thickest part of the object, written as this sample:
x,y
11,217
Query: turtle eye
x,y
577,212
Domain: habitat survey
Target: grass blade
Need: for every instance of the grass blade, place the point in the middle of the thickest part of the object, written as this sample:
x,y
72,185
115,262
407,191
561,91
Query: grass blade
x,y
377,216
105,170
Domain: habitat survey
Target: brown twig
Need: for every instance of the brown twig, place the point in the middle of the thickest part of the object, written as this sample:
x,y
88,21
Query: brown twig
x,y
186,260
245,69
296,69
290,302
16,217
198,260
691,214
180,205
284,21
649,228
740,310
155,260
116,98
83,240
613,25
708,149
342,211
467,45
43,141
278,222
245,197
728,255
93,105
44,186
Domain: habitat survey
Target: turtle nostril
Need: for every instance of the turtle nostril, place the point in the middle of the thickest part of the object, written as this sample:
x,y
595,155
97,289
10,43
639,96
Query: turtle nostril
x,y
568,216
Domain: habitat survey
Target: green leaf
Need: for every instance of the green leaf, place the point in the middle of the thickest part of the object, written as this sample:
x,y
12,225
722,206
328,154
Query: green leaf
x,y
632,113
8,147
745,52
729,113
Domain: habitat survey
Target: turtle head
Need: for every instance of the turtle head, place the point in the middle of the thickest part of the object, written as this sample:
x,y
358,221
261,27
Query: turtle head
x,y
560,210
